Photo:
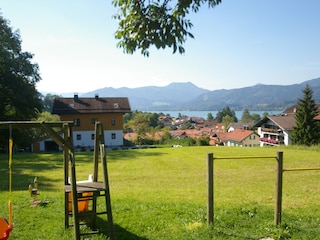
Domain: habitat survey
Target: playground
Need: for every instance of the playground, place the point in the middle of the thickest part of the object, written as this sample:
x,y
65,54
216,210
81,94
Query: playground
x,y
161,193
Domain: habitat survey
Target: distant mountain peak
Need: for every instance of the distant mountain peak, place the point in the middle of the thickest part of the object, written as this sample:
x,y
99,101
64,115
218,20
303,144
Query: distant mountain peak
x,y
181,96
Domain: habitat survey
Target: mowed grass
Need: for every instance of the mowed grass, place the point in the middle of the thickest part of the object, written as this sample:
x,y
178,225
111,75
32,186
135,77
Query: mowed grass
x,y
161,193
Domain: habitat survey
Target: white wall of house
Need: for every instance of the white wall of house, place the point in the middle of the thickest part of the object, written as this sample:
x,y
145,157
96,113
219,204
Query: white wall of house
x,y
110,141
231,143
86,138
287,137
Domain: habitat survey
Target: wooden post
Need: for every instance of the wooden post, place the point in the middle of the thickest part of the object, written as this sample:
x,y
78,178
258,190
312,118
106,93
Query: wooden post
x,y
107,191
210,200
101,146
66,159
96,151
278,206
74,196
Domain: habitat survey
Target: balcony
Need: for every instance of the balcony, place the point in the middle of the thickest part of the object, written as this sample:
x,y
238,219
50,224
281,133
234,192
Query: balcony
x,y
272,130
269,140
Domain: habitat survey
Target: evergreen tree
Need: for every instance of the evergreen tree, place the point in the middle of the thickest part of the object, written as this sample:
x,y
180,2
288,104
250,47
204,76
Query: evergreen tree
x,y
246,117
306,131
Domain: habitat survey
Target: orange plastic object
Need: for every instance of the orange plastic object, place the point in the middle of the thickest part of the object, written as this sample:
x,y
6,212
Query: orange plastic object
x,y
5,229
83,203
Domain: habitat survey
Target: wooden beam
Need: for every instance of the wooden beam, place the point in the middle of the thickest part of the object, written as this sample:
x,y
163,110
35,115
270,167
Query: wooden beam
x,y
56,137
31,124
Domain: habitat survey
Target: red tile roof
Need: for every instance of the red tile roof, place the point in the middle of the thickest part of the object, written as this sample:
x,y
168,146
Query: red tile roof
x,y
239,134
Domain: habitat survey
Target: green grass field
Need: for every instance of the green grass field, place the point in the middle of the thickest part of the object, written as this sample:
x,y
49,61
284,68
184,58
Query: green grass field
x,y
161,193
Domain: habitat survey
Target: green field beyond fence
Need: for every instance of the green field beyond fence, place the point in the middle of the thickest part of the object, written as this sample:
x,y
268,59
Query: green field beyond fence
x,y
161,193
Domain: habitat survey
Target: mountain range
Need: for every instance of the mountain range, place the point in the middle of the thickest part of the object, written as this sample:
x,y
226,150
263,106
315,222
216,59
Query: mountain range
x,y
188,97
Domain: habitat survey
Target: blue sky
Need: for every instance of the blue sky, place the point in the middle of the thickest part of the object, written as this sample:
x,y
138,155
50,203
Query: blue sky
x,y
237,44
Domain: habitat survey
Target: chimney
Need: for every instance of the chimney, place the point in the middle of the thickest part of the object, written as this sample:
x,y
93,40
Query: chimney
x,y
75,97
96,96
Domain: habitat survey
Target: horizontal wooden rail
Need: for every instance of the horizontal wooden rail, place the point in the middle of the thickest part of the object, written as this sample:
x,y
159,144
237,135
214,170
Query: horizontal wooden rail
x,y
243,157
300,169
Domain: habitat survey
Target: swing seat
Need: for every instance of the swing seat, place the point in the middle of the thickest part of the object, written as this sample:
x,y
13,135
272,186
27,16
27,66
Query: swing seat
x,y
5,229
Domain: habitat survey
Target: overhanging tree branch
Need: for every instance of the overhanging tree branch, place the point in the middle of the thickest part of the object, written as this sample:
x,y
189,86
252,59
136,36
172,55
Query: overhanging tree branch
x,y
159,23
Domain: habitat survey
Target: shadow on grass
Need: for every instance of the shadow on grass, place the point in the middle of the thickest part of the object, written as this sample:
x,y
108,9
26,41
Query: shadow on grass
x,y
131,154
120,232
27,166
39,164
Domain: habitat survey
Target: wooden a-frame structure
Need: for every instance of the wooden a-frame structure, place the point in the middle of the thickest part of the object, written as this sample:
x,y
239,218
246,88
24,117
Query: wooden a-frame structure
x,y
95,188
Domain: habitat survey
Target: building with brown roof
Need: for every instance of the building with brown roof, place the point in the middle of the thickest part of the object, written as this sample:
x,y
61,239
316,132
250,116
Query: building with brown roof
x,y
84,112
293,109
242,138
276,130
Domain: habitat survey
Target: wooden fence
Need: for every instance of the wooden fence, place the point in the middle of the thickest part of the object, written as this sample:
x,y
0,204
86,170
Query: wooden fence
x,y
279,182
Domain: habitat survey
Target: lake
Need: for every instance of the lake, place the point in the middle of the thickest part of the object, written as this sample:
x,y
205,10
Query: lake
x,y
204,114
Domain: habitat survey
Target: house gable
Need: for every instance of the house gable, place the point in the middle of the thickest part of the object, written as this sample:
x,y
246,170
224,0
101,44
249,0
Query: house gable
x,y
240,137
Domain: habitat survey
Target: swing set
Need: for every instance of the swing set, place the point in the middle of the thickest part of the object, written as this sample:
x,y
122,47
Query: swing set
x,y
7,226
75,192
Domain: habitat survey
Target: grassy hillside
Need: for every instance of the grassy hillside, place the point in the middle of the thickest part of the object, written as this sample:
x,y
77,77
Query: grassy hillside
x,y
162,194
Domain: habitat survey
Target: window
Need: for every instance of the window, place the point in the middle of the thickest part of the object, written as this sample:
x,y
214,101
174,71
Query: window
x,y
113,121
113,136
92,136
252,137
93,120
76,121
78,136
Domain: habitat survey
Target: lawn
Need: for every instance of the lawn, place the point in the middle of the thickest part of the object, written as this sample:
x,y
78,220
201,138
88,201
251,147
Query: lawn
x,y
161,193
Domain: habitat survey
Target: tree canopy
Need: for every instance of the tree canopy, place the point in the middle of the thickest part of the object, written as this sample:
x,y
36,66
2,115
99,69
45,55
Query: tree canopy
x,y
247,117
306,131
226,112
159,23
19,99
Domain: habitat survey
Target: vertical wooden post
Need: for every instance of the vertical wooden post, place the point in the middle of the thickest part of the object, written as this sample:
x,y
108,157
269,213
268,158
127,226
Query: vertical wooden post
x,y
210,199
278,206
66,160
101,146
73,182
107,191
74,196
96,151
